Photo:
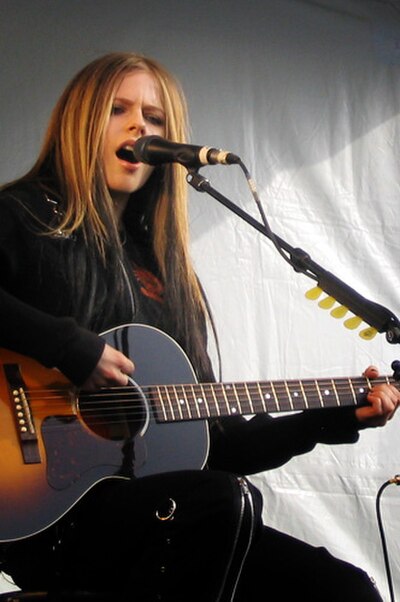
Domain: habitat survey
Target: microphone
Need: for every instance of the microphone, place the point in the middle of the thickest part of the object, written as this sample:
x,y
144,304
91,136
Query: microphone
x,y
156,150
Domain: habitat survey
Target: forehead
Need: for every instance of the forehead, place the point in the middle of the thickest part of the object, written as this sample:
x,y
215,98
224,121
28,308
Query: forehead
x,y
140,84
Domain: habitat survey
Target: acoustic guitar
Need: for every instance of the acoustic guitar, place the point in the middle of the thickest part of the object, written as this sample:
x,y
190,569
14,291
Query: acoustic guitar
x,y
57,442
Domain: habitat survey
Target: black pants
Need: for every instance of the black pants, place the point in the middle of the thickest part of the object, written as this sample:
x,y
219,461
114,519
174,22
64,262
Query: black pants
x,y
297,571
114,540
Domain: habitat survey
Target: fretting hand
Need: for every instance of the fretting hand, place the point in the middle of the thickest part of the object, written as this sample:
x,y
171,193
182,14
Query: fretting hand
x,y
383,401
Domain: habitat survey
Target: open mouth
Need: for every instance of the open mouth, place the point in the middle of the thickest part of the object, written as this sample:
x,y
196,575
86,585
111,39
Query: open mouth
x,y
126,154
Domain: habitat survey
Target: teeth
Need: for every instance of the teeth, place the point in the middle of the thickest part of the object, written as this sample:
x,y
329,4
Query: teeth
x,y
128,147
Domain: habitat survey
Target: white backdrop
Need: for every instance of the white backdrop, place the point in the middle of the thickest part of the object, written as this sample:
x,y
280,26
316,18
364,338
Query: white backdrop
x,y
308,94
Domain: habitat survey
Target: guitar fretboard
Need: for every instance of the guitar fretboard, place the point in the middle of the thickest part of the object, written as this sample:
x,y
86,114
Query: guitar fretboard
x,y
201,401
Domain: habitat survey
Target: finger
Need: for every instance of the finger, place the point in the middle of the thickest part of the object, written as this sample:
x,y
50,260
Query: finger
x,y
127,366
395,402
122,362
125,378
116,377
371,372
385,402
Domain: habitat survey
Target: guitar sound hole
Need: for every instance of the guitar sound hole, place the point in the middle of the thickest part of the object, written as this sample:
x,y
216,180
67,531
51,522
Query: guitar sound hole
x,y
118,413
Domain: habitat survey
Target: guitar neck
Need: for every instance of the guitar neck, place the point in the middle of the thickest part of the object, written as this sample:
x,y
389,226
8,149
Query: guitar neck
x,y
201,401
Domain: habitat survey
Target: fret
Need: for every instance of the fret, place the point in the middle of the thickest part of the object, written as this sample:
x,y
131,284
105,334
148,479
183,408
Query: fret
x,y
221,402
304,395
226,403
290,396
206,389
183,403
326,393
174,403
360,388
260,393
190,397
214,410
236,409
219,399
236,399
249,398
198,400
268,396
281,398
170,414
160,398
288,393
352,390
276,399
336,393
319,396
309,395
297,395
243,399
233,403
298,399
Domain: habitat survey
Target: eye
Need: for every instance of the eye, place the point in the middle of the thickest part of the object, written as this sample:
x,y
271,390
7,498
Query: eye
x,y
117,109
157,120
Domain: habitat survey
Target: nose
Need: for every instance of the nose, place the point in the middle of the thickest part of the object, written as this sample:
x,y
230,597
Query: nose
x,y
137,122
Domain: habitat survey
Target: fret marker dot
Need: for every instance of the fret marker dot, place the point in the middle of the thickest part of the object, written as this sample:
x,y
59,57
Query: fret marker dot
x,y
327,392
361,390
295,394
267,396
233,410
182,402
199,400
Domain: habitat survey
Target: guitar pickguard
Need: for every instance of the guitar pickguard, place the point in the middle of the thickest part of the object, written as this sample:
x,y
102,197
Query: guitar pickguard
x,y
74,455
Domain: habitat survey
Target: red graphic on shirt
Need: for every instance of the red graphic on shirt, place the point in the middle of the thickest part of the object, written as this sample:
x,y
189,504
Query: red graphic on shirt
x,y
150,285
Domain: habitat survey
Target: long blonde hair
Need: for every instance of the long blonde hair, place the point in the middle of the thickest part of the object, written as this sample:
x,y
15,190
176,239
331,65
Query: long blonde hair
x,y
72,151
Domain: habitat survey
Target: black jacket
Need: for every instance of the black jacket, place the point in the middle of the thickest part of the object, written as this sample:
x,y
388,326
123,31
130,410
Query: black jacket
x,y
36,320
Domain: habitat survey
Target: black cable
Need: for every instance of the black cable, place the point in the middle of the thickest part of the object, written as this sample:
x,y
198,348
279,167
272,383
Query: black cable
x,y
271,235
395,480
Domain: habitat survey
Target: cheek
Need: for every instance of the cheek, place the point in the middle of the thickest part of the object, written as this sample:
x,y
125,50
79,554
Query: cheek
x,y
110,137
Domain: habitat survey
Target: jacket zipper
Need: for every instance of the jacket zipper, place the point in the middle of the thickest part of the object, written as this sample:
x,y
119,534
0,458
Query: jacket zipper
x,y
245,497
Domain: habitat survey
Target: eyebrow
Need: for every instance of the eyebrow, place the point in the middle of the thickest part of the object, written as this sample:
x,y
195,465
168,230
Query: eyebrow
x,y
130,102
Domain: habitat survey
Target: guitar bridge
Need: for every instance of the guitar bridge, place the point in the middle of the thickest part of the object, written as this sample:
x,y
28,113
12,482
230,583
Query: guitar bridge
x,y
21,409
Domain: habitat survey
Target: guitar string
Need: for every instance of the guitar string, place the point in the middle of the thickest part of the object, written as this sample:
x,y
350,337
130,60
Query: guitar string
x,y
281,387
174,412
251,393
244,391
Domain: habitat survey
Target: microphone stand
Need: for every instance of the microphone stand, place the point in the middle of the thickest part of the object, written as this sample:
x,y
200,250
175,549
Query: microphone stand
x,y
373,314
